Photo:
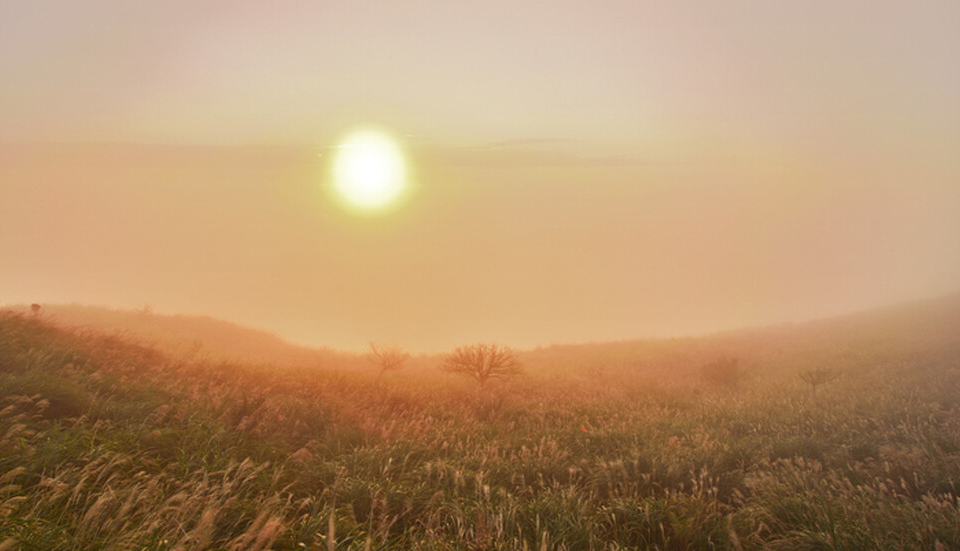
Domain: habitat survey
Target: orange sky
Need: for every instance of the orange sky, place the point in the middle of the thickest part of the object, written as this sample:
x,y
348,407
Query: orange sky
x,y
582,171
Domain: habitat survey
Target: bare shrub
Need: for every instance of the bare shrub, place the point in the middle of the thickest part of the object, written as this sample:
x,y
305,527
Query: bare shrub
x,y
483,362
388,357
725,371
818,376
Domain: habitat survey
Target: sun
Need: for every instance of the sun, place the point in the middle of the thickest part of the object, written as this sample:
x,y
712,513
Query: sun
x,y
369,170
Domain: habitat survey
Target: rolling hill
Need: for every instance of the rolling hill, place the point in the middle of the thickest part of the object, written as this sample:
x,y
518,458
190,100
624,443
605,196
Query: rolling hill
x,y
106,443
193,337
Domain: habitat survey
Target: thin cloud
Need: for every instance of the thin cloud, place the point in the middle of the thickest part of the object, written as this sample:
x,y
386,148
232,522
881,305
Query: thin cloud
x,y
530,152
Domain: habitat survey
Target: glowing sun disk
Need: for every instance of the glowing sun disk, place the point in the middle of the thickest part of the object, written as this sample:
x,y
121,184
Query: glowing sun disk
x,y
369,171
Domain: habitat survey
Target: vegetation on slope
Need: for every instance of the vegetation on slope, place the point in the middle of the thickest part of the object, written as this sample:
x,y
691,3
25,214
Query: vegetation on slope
x,y
106,444
191,337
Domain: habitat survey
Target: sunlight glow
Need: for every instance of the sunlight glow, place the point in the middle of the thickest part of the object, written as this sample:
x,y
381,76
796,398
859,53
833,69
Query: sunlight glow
x,y
369,170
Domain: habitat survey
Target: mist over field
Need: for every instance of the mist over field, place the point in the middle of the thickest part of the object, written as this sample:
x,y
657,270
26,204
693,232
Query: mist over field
x,y
561,251
503,275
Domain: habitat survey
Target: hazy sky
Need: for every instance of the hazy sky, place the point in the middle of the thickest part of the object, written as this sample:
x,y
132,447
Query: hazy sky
x,y
582,171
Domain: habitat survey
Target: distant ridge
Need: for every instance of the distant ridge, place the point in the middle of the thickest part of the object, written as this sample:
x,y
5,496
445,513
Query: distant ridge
x,y
200,337
928,326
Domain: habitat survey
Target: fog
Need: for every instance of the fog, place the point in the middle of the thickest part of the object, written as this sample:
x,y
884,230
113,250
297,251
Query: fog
x,y
609,173
569,250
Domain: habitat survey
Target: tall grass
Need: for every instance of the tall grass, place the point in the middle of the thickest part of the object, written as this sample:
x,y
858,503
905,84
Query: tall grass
x,y
109,445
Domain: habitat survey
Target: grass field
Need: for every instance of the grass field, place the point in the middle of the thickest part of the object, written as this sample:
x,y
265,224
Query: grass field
x,y
107,444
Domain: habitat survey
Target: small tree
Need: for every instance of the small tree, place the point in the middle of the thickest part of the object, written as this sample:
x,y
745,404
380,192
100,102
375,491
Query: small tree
x,y
388,357
483,362
723,371
35,308
818,376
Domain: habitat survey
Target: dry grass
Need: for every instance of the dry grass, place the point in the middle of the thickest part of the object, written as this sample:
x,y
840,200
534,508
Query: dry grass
x,y
108,445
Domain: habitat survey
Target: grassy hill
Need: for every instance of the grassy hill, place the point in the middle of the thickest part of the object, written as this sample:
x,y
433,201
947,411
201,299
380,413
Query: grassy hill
x,y
107,443
194,337
903,330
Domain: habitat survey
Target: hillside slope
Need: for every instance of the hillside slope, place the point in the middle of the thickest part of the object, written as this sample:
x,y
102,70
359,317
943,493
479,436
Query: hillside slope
x,y
108,444
196,337
888,334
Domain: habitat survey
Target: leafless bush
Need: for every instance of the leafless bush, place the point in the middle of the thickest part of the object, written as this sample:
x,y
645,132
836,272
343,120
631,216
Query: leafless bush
x,y
483,362
818,376
388,357
725,371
